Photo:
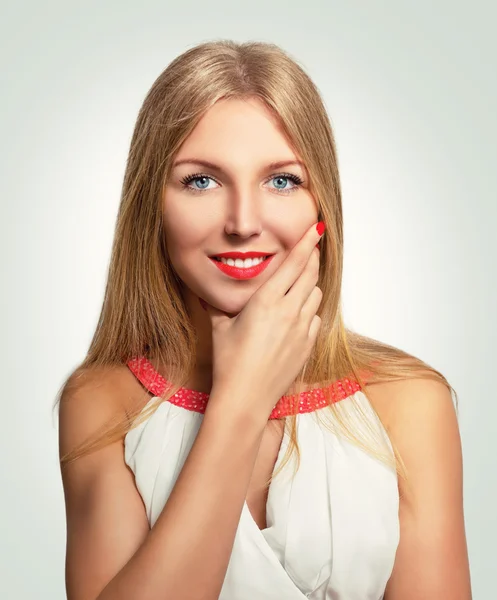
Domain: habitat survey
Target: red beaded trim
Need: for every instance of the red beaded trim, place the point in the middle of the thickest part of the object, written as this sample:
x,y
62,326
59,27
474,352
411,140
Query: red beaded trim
x,y
309,401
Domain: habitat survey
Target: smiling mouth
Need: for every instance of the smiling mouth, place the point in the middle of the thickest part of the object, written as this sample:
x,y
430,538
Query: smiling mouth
x,y
242,269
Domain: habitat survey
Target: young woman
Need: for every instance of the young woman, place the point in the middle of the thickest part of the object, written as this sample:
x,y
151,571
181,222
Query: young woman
x,y
221,355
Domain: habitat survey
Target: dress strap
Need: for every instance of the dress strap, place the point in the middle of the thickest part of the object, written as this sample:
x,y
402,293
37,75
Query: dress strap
x,y
146,374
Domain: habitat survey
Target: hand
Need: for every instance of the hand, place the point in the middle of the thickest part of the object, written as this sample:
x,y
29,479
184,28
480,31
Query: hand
x,y
264,347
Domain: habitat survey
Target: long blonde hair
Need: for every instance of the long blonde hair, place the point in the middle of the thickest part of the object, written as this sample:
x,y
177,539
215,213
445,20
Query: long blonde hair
x,y
143,312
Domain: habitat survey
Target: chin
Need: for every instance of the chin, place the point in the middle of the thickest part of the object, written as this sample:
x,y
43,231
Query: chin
x,y
231,306
230,302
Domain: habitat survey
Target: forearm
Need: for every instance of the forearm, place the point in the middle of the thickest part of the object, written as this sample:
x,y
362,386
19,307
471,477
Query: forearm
x,y
186,554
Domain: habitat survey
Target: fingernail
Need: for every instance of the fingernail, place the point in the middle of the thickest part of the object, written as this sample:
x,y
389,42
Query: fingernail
x,y
320,227
202,303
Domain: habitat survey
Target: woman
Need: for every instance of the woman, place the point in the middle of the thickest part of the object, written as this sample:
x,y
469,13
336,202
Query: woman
x,y
208,373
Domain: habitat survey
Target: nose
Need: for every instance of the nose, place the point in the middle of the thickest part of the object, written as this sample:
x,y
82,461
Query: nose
x,y
243,217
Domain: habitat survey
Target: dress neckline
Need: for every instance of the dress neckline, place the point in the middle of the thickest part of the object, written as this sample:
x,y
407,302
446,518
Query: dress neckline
x,y
309,400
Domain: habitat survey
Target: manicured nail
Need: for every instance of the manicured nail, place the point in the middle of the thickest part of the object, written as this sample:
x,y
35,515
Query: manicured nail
x,y
202,303
320,227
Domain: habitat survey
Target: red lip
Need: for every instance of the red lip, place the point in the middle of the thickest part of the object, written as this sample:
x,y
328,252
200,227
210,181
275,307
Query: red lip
x,y
240,273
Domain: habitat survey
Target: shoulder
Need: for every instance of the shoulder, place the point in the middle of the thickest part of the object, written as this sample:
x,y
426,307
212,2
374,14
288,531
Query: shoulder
x,y
114,384
92,399
394,401
421,420
399,402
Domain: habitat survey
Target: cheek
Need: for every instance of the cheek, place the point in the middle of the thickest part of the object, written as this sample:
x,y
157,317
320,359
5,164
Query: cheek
x,y
184,230
292,224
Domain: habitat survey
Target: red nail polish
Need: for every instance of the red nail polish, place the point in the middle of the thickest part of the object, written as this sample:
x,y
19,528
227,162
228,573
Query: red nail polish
x,y
320,227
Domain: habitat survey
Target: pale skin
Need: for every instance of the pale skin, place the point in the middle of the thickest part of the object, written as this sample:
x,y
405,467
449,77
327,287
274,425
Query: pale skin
x,y
242,209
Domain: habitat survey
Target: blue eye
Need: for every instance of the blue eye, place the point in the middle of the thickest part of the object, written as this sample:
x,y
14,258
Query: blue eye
x,y
203,179
195,177
293,178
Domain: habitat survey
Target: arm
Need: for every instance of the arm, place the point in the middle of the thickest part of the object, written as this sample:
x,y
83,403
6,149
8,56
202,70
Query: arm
x,y
111,552
432,561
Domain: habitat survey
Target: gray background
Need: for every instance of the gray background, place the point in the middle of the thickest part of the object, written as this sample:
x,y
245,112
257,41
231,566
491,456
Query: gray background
x,y
410,89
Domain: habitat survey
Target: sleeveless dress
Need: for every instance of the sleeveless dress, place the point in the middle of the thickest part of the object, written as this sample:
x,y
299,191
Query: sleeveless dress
x,y
332,533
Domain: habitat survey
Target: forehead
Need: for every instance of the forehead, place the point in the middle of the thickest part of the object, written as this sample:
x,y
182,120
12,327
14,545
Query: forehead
x,y
235,127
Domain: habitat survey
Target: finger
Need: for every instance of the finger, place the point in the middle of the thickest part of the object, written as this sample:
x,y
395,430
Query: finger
x,y
282,280
314,329
311,307
300,290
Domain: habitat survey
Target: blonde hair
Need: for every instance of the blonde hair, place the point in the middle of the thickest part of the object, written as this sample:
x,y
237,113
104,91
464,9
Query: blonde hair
x,y
143,312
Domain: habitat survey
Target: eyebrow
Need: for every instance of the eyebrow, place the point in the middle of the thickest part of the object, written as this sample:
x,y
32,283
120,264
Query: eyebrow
x,y
209,165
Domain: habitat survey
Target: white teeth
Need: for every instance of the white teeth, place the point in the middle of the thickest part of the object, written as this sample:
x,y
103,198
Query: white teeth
x,y
243,264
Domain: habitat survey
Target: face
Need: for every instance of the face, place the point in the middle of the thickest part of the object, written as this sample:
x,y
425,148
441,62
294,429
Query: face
x,y
238,204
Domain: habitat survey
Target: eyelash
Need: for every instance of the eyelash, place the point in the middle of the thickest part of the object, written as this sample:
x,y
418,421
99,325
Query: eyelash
x,y
293,178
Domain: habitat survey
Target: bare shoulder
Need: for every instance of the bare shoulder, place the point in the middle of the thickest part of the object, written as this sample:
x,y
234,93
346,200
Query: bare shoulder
x,y
420,418
398,402
95,397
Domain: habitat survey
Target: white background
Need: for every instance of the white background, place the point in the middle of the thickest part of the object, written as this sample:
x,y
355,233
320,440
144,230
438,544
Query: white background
x,y
411,92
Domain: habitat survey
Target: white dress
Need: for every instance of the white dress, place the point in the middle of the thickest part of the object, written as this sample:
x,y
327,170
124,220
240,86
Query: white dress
x,y
332,533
